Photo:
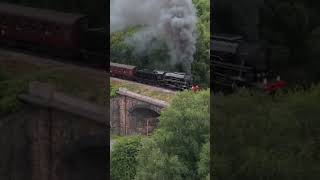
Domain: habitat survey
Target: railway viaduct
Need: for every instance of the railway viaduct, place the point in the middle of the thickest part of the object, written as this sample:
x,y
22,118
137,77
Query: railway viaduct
x,y
54,137
132,113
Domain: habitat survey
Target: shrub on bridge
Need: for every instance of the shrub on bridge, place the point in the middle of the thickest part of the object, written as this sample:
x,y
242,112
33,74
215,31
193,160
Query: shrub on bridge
x,y
123,158
9,91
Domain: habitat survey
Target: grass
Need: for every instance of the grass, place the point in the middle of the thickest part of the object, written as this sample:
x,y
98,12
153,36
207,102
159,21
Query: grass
x,y
86,86
143,90
15,76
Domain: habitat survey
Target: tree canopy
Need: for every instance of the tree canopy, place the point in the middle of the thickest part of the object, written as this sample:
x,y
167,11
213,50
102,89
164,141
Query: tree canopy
x,y
257,136
178,149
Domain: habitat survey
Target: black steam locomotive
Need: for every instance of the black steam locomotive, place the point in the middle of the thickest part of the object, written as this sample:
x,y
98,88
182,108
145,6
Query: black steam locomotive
x,y
236,63
171,80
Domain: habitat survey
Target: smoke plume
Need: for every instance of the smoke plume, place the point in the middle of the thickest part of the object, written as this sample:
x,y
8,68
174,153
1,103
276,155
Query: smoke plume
x,y
172,20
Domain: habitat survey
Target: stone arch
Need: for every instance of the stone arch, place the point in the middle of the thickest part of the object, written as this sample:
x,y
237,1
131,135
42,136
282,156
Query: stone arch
x,y
144,106
143,119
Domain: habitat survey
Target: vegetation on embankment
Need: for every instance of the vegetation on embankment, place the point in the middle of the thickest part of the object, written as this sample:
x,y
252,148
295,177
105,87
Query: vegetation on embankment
x,y
256,136
178,149
140,89
15,76
123,158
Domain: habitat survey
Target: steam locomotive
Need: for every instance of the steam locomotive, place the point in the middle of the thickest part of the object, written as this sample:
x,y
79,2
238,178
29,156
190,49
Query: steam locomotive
x,y
236,63
52,32
171,80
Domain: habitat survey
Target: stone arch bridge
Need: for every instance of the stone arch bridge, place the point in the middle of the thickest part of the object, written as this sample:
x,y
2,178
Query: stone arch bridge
x,y
54,136
132,113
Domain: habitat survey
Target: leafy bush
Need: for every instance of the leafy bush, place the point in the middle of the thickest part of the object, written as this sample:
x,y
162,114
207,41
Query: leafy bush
x,y
123,158
204,162
154,164
256,136
3,74
113,90
9,91
173,151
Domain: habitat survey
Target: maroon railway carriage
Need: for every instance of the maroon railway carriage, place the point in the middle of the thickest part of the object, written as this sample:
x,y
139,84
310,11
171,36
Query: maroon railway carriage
x,y
46,28
122,71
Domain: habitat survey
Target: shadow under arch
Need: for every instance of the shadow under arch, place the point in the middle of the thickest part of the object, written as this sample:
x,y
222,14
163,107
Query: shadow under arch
x,y
143,119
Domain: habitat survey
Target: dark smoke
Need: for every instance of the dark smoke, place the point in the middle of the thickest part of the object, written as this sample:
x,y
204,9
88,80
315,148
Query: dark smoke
x,y
172,20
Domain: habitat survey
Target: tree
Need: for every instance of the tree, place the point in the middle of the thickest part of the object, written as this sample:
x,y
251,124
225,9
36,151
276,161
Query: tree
x,y
204,162
123,158
154,164
256,136
174,148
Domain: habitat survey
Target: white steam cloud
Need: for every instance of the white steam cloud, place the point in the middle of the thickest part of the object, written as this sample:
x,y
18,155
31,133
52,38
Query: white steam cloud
x,y
172,20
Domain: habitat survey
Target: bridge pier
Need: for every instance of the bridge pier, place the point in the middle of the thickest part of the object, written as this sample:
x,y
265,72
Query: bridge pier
x,y
58,123
124,106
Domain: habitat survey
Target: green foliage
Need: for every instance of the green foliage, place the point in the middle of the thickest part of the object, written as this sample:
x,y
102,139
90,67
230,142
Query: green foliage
x,y
204,162
256,136
154,164
201,67
3,74
175,147
113,90
123,158
9,91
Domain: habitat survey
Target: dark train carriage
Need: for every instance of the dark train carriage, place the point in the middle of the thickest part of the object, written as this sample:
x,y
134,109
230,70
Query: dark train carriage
x,y
46,28
122,71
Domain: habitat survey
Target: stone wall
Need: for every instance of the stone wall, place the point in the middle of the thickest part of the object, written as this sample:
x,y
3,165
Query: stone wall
x,y
54,137
15,143
115,115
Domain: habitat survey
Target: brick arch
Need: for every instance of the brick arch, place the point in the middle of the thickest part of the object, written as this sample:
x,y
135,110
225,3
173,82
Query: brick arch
x,y
139,125
128,102
144,106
